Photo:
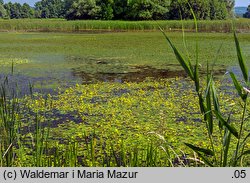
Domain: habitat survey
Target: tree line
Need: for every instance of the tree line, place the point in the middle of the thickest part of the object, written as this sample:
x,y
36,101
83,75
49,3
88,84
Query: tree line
x,y
120,9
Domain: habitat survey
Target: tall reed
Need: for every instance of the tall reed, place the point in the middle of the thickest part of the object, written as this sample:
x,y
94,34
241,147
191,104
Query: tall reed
x,y
60,25
210,108
9,123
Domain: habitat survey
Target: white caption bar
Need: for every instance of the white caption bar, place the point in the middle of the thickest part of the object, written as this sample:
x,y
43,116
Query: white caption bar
x,y
128,175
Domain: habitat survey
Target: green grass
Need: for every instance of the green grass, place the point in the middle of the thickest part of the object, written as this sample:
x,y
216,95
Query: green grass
x,y
60,25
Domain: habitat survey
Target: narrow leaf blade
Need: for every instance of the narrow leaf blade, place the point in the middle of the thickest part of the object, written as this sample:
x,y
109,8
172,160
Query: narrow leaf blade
x,y
238,87
227,140
196,78
242,63
200,150
209,114
245,139
244,153
226,143
180,58
205,159
228,126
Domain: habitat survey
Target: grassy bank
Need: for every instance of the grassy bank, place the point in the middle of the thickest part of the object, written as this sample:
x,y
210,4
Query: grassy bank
x,y
60,25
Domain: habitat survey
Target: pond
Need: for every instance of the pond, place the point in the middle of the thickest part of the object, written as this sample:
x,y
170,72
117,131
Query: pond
x,y
50,60
133,89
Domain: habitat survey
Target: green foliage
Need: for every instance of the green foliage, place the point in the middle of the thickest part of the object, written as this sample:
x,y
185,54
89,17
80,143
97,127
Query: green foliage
x,y
209,109
27,11
115,124
181,10
203,9
9,123
82,9
60,25
185,64
3,12
17,11
122,10
106,12
230,4
147,9
218,10
50,9
247,14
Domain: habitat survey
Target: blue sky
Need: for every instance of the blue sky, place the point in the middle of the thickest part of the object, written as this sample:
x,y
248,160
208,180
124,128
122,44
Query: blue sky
x,y
32,2
242,2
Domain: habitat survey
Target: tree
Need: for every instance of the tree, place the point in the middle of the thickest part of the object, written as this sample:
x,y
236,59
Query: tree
x,y
120,8
218,10
82,9
38,9
230,7
247,14
106,9
15,11
7,8
27,11
160,9
3,12
203,9
180,9
50,9
141,9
